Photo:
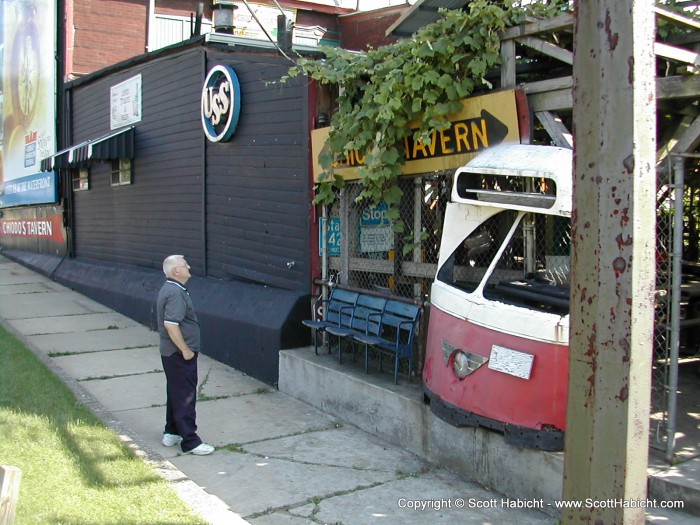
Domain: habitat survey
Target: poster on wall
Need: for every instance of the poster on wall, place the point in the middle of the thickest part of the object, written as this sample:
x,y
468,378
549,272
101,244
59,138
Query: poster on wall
x,y
253,20
376,234
125,103
28,132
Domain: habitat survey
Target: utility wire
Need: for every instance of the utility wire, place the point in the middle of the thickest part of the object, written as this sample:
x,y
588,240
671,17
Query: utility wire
x,y
279,7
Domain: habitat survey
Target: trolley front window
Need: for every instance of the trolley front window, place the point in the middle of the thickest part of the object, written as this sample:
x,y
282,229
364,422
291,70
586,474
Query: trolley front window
x,y
532,269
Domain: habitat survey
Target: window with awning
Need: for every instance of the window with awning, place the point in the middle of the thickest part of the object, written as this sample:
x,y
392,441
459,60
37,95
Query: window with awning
x,y
114,146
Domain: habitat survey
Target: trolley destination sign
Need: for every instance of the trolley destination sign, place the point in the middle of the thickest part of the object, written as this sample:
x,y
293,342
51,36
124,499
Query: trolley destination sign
x,y
484,121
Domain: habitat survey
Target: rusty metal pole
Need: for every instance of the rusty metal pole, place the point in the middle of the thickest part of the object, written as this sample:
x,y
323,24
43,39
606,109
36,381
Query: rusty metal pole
x,y
613,262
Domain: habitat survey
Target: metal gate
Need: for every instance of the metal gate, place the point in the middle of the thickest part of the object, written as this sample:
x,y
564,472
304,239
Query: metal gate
x,y
677,313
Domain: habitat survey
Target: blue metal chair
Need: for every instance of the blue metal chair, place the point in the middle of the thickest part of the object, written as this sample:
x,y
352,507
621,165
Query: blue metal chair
x,y
334,310
365,320
398,326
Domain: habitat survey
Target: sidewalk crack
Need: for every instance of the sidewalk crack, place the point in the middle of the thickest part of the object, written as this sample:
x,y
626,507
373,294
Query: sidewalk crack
x,y
314,500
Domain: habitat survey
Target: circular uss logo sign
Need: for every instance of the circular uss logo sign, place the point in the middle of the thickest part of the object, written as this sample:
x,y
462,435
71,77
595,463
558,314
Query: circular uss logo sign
x,y
221,103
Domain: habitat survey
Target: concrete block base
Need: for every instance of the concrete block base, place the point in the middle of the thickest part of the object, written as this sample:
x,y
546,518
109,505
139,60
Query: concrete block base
x,y
398,414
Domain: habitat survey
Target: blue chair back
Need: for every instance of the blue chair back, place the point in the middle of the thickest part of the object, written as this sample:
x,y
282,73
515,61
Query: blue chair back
x,y
399,324
366,317
339,307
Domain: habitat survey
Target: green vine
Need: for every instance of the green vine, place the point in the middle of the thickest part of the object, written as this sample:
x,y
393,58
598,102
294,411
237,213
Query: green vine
x,y
422,79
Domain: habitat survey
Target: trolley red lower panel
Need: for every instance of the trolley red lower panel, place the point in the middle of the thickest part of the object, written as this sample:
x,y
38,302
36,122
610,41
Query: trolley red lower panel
x,y
529,410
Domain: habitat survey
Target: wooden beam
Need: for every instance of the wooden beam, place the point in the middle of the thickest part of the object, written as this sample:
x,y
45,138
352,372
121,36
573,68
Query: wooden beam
x,y
555,94
682,138
677,54
508,64
689,141
556,129
563,22
675,87
547,48
679,86
556,100
672,16
566,22
9,493
544,86
672,135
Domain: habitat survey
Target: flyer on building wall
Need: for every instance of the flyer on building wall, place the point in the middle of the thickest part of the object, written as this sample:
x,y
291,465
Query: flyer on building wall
x,y
28,109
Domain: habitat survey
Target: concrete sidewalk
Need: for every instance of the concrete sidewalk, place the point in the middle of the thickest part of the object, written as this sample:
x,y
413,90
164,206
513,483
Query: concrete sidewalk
x,y
278,459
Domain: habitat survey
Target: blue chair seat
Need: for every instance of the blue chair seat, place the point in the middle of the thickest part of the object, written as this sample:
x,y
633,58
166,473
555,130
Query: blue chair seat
x,y
333,312
316,325
340,331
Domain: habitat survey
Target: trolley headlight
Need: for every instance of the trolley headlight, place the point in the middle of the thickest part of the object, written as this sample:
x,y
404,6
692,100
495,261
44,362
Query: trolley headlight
x,y
462,362
461,365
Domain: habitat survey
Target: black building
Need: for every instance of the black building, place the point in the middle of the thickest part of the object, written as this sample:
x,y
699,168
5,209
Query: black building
x,y
238,209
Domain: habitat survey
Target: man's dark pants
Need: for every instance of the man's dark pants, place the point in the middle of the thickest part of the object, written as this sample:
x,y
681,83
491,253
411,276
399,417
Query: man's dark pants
x,y
180,414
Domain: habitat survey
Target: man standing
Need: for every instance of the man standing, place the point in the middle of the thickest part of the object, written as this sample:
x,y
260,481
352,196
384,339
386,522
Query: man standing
x,y
179,347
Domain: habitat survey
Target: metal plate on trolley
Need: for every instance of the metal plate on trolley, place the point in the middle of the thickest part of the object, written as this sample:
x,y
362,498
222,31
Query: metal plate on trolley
x,y
511,362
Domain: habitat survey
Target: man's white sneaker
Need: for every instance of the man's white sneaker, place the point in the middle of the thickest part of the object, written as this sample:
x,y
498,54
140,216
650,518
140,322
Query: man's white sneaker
x,y
202,450
170,440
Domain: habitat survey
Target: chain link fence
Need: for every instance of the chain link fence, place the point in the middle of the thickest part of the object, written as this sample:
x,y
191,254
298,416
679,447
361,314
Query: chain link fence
x,y
379,260
677,309
370,256
662,326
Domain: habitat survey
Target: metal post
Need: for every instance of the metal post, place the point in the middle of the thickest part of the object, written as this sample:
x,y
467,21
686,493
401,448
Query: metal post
x,y
345,236
529,232
417,228
324,265
676,278
324,249
612,291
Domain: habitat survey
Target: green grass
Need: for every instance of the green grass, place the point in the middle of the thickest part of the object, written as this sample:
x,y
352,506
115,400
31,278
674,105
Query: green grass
x,y
75,471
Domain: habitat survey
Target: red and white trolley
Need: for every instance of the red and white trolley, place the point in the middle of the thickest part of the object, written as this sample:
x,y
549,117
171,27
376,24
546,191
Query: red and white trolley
x,y
497,345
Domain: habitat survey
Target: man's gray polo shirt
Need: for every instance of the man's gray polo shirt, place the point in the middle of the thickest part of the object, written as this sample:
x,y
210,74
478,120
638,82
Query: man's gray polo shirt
x,y
174,305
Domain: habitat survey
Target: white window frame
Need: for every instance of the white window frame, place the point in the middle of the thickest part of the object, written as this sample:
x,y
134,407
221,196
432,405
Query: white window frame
x,y
80,179
121,172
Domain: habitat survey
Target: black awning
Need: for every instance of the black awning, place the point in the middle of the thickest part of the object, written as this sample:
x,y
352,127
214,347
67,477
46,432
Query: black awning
x,y
57,161
46,164
116,145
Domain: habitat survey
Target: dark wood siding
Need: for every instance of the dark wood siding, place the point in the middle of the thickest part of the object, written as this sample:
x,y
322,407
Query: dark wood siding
x,y
239,211
162,211
257,195
258,183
